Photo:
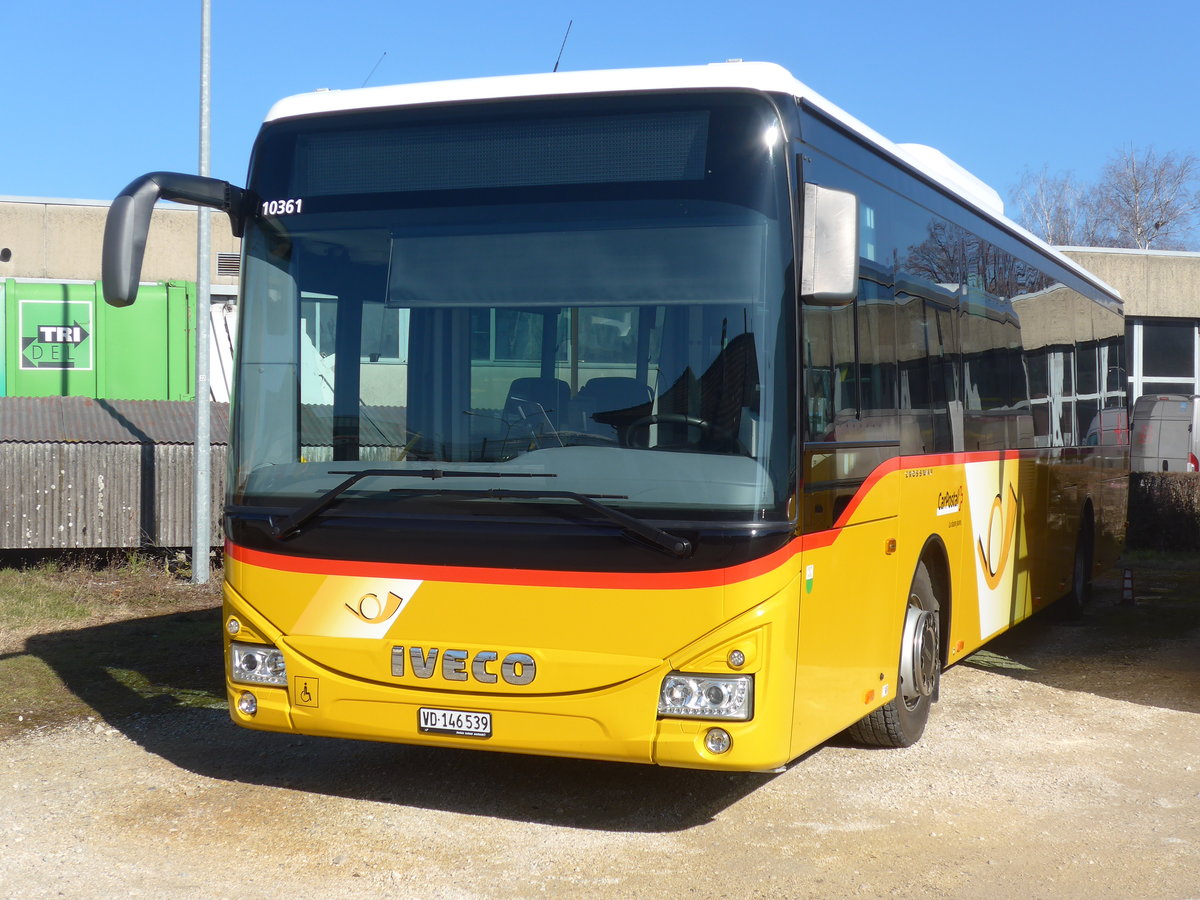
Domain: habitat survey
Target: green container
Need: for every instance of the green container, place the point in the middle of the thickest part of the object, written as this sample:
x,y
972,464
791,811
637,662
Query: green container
x,y
63,340
3,341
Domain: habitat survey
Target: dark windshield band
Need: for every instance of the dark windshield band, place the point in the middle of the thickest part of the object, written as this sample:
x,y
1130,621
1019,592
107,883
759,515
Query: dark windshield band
x,y
513,153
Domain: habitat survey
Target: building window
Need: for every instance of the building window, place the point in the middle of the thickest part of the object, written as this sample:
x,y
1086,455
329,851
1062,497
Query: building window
x,y
1165,354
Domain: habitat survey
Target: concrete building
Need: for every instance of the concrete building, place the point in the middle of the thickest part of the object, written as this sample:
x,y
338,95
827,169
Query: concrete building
x,y
1162,314
60,240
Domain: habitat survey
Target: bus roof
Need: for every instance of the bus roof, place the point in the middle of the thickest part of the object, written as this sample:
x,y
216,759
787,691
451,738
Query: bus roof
x,y
735,74
750,76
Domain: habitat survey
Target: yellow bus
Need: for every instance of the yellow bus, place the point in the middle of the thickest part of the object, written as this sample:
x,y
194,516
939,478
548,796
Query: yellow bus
x,y
669,416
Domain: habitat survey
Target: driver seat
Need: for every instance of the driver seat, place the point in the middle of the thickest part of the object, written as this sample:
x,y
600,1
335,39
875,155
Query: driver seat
x,y
608,405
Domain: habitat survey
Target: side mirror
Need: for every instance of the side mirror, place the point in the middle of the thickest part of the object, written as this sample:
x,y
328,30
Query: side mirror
x,y
128,223
829,247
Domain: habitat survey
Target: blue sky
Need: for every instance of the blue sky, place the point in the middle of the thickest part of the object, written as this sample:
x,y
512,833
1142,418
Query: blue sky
x,y
96,94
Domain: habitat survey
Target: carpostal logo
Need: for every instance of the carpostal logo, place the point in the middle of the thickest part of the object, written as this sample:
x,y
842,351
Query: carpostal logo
x,y
949,502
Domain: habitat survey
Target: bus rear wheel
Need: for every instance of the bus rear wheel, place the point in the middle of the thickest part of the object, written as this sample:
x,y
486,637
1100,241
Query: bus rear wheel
x,y
1081,572
901,721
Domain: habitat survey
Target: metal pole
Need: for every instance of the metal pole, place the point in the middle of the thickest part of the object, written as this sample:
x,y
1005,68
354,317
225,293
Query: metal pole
x,y
202,474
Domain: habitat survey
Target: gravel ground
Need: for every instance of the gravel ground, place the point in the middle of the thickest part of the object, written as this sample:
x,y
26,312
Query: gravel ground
x,y
1064,762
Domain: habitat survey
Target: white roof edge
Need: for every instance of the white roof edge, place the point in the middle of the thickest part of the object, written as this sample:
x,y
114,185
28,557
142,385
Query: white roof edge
x,y
53,201
59,201
1056,253
1132,251
968,184
758,76
752,75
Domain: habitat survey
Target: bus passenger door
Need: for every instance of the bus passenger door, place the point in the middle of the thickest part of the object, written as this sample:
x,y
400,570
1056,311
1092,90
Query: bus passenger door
x,y
850,608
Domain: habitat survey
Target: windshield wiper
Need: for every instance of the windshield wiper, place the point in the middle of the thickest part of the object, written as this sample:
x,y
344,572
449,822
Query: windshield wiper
x,y
290,525
656,537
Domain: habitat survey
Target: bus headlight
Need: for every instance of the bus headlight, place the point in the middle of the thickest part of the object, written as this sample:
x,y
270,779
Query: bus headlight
x,y
707,696
256,664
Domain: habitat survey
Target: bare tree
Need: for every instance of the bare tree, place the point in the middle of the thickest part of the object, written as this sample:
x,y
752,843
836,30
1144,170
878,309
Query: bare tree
x,y
1148,201
1054,207
1142,199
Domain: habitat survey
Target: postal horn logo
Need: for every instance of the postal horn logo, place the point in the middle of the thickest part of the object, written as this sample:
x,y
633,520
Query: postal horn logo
x,y
995,548
374,611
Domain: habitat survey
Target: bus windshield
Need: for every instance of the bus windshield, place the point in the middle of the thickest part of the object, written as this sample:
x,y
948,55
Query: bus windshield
x,y
590,296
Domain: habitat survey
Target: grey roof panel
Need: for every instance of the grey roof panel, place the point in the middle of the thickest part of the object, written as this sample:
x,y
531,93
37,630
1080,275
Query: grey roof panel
x,y
30,420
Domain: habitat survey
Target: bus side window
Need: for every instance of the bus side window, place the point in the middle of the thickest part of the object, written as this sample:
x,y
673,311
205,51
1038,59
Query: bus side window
x,y
927,291
831,390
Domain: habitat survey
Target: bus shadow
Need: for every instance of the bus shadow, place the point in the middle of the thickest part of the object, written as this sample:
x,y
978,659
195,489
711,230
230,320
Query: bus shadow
x,y
159,681
1147,652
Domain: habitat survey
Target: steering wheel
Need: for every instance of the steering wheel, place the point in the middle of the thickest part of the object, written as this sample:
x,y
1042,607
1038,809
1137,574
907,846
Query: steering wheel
x,y
705,428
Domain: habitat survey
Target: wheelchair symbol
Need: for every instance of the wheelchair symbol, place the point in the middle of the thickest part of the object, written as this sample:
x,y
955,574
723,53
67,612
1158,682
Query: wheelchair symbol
x,y
305,691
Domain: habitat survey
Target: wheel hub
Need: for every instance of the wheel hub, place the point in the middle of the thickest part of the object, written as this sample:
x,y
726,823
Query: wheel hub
x,y
919,656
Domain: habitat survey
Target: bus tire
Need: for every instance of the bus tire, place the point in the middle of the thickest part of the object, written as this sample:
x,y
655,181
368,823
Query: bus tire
x,y
1081,571
901,721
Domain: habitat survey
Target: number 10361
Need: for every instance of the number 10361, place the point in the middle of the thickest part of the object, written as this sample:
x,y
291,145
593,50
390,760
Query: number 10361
x,y
282,207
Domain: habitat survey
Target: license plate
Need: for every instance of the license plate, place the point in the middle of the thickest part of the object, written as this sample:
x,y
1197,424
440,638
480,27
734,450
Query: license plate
x,y
454,721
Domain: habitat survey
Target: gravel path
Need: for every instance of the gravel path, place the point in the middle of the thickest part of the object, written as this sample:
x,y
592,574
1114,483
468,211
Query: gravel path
x,y
1063,763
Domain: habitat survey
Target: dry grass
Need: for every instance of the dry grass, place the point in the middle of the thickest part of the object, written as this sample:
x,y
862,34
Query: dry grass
x,y
105,635
43,596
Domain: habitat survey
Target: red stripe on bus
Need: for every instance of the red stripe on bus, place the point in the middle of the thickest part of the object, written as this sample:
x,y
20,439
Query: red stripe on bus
x,y
530,577
908,463
615,580
884,468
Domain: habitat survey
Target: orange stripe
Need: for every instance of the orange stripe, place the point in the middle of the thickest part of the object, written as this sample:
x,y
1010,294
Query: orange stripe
x,y
937,460
884,468
904,464
614,580
531,577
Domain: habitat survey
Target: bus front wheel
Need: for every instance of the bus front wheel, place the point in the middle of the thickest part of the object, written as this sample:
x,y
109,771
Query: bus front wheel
x,y
901,721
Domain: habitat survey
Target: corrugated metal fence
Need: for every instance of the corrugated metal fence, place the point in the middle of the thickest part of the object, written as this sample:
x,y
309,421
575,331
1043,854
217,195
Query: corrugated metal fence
x,y
82,473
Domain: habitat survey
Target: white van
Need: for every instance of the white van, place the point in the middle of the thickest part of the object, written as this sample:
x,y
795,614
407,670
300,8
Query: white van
x,y
1109,428
1164,434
